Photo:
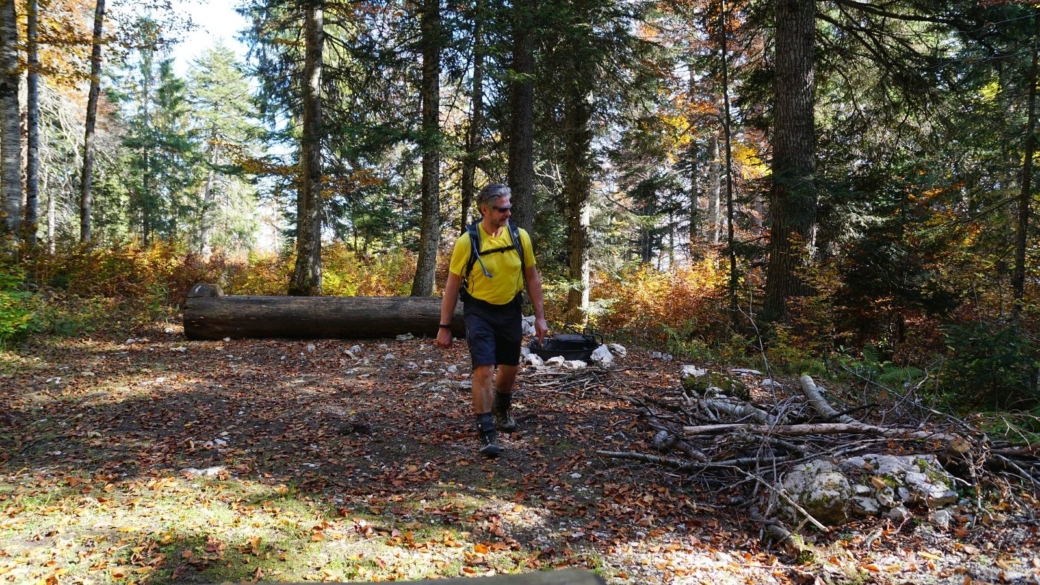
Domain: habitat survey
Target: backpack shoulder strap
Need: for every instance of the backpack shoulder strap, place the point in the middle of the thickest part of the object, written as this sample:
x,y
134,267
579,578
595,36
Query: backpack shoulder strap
x,y
473,230
518,243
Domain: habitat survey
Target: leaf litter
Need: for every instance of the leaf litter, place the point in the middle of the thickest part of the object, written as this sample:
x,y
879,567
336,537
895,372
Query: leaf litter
x,y
158,459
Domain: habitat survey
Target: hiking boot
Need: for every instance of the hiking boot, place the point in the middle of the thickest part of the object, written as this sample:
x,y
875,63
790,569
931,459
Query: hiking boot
x,y
504,422
489,444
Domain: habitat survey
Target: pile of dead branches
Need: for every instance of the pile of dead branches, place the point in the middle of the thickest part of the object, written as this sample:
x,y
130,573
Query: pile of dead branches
x,y
719,436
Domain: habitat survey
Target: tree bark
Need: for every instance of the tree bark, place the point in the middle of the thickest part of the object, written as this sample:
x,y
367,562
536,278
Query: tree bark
x,y
1018,279
793,198
306,279
727,134
693,155
208,314
88,135
577,188
32,121
10,121
148,200
521,136
476,119
205,227
714,192
429,240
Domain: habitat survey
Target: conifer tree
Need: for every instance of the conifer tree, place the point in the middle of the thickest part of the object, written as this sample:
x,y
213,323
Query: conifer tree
x,y
219,94
307,274
430,144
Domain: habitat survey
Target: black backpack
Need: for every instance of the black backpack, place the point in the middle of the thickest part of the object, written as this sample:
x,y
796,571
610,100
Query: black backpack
x,y
473,230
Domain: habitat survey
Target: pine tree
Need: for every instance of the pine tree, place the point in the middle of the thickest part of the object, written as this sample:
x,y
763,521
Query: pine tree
x,y
220,99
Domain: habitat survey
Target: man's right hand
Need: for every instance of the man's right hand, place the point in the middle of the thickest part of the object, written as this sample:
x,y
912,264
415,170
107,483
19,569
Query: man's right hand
x,y
444,338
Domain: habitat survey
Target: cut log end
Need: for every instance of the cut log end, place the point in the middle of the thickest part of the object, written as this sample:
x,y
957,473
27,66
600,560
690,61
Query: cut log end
x,y
205,291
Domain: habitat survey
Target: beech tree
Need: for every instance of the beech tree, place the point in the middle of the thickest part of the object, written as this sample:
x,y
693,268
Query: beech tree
x,y
32,122
10,116
91,121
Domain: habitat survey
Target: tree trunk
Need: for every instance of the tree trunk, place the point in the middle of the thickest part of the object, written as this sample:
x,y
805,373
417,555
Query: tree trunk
x,y
728,141
693,154
32,107
429,240
207,199
577,188
88,136
476,120
147,200
306,279
1019,277
793,197
50,215
521,136
714,192
10,121
208,314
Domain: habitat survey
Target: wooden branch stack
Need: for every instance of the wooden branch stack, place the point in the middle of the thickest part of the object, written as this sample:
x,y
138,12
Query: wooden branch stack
x,y
723,438
719,431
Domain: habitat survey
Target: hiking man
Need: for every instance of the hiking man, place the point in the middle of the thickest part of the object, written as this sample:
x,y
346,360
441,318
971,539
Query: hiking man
x,y
489,266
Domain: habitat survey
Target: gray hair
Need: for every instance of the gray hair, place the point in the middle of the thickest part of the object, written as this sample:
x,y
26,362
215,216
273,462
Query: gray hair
x,y
492,192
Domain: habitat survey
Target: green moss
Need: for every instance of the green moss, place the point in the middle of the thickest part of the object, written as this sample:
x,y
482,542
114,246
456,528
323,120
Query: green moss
x,y
805,557
730,385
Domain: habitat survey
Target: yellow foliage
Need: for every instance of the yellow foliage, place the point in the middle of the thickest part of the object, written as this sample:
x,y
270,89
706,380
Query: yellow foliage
x,y
383,275
991,91
648,302
750,161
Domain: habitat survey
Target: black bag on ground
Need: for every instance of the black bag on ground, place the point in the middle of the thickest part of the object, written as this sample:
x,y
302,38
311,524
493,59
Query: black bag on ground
x,y
569,346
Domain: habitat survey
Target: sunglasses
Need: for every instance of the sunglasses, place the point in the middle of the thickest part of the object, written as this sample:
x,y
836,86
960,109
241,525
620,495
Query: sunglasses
x,y
502,209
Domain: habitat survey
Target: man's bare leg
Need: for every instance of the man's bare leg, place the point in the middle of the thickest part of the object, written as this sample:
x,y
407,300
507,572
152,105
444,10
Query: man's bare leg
x,y
483,400
483,382
504,382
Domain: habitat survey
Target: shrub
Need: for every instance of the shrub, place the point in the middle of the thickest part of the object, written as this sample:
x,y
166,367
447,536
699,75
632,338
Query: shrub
x,y
17,307
991,364
652,306
349,274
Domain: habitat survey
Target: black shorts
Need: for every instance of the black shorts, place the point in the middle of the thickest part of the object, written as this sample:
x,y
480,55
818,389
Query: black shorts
x,y
494,332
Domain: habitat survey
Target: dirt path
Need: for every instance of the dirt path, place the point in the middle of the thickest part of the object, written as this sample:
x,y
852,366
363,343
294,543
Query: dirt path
x,y
157,459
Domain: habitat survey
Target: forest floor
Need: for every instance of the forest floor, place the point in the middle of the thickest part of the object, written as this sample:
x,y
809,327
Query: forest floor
x,y
156,459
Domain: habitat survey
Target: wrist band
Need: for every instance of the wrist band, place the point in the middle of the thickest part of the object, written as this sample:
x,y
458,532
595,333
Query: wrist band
x,y
443,326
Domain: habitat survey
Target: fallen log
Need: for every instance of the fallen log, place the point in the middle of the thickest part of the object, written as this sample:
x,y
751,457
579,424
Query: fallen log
x,y
812,393
822,429
209,314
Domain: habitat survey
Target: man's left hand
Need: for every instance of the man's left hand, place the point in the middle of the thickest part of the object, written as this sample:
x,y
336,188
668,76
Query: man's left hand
x,y
540,329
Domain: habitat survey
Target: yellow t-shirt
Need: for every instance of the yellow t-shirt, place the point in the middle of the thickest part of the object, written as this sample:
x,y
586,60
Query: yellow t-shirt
x,y
504,267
